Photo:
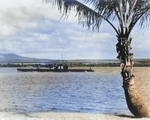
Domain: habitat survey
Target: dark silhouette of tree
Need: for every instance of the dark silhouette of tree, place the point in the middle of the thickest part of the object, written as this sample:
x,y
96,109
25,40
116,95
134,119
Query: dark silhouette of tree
x,y
128,13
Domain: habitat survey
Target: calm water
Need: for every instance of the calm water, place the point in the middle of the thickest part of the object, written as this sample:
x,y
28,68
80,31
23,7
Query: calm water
x,y
26,92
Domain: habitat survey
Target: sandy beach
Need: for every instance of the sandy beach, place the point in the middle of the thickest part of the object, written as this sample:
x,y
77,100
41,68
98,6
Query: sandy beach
x,y
142,75
65,116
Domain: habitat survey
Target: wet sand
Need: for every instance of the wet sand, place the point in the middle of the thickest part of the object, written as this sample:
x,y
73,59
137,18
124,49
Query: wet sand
x,y
142,75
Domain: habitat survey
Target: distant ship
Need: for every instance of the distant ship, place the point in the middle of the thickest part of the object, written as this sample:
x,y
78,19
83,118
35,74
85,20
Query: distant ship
x,y
57,68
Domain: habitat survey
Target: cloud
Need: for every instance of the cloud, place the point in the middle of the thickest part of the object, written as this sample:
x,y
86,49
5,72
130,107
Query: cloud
x,y
141,43
32,29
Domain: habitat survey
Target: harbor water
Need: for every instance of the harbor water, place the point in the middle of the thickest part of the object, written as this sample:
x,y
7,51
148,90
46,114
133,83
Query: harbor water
x,y
85,92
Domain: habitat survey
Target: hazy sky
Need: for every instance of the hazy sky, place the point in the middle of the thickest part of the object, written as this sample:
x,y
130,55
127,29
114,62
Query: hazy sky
x,y
31,28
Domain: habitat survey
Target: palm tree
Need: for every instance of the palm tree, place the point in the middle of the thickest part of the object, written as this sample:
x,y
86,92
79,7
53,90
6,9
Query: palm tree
x,y
128,13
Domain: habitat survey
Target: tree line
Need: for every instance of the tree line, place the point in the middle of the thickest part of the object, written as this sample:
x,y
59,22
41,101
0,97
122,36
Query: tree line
x,y
74,64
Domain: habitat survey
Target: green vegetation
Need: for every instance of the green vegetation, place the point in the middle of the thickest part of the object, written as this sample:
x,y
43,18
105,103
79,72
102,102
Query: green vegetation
x,y
76,64
10,65
137,63
18,65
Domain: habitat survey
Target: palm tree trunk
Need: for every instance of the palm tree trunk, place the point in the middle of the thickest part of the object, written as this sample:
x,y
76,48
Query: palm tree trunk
x,y
134,100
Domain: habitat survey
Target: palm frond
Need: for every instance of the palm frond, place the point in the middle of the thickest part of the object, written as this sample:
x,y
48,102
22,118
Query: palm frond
x,y
86,16
141,12
128,12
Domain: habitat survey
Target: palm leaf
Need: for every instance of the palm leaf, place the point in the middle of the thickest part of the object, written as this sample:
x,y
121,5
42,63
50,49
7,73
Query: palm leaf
x,y
86,16
128,12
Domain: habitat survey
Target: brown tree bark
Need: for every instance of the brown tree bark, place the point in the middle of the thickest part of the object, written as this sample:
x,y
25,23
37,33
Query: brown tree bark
x,y
134,100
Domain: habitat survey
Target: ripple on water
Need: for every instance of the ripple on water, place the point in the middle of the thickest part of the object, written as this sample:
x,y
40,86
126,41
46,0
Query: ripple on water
x,y
97,92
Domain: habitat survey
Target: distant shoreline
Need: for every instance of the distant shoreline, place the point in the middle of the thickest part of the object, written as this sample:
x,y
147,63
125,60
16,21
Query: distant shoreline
x,y
137,64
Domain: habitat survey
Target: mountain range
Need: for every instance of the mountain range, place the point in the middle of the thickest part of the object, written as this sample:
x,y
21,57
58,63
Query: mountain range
x,y
13,58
